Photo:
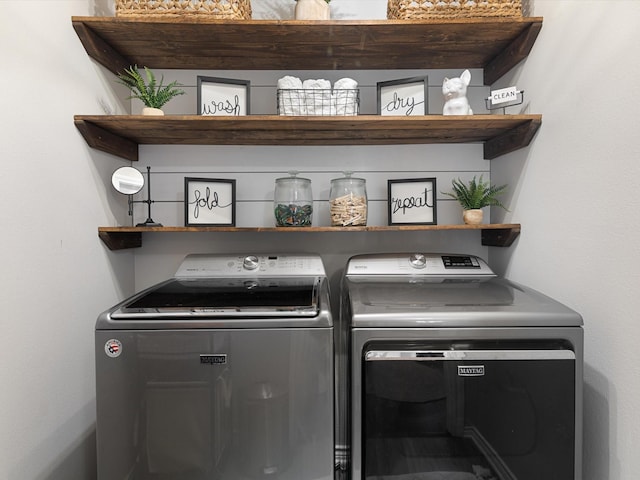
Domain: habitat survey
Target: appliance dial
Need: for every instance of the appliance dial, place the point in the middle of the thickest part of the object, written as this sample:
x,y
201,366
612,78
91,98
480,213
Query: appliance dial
x,y
251,262
418,260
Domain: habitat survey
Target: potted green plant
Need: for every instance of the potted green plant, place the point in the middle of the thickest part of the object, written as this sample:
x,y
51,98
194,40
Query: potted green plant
x,y
154,95
475,195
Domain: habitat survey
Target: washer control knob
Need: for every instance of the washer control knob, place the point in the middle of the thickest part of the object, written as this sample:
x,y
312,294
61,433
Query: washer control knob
x,y
250,262
418,260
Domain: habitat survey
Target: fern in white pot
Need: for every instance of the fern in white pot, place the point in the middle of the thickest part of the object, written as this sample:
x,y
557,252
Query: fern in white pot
x,y
473,196
152,94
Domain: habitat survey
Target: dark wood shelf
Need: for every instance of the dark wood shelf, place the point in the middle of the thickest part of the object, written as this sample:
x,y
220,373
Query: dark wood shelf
x,y
118,238
121,134
173,42
495,45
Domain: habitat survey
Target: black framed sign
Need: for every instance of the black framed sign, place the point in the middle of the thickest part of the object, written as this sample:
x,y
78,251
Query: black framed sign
x,y
405,97
209,202
223,96
412,201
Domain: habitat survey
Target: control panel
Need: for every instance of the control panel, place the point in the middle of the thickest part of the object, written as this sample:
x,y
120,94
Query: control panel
x,y
421,264
211,266
460,261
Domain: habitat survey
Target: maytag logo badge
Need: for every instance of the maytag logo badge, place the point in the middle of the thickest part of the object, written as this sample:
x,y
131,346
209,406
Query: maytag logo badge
x,y
213,359
470,370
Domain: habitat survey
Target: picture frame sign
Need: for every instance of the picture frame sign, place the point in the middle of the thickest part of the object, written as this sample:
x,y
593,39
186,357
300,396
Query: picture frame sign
x,y
209,202
412,201
403,97
223,96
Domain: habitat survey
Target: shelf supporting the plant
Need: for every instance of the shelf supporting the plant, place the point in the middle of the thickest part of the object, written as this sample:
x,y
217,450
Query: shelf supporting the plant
x,y
99,50
106,141
121,134
495,235
500,237
512,140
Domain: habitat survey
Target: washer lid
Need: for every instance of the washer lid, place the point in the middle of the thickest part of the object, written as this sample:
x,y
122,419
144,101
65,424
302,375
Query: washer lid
x,y
184,298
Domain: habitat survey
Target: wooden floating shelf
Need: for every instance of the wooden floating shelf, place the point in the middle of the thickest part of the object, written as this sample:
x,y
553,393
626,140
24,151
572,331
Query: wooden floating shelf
x,y
495,45
122,134
494,235
175,42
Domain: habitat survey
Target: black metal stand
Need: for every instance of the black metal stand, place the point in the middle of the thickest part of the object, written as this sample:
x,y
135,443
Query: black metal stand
x,y
149,222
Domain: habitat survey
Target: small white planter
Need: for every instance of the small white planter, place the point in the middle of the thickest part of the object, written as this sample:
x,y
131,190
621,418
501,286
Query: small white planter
x,y
472,217
152,111
312,10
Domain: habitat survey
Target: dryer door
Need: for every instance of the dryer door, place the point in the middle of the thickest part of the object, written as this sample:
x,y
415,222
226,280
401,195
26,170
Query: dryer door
x,y
467,414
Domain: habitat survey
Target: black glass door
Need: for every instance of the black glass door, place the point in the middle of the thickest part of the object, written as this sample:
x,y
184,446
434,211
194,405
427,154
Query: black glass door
x,y
468,415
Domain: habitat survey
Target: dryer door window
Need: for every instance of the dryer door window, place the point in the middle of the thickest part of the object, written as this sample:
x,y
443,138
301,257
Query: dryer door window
x,y
477,414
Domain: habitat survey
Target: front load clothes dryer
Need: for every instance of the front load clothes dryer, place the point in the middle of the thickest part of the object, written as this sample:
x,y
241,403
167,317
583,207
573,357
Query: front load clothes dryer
x,y
457,374
223,372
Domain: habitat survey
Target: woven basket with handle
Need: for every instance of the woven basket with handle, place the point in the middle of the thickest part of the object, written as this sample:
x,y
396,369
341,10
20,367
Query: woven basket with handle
x,y
227,9
443,9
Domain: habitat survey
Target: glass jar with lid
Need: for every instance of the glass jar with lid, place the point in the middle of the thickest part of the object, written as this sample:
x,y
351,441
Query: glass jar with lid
x,y
293,201
348,201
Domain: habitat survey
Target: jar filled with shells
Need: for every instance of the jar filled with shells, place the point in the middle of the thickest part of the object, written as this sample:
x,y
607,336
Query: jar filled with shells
x,y
348,201
293,201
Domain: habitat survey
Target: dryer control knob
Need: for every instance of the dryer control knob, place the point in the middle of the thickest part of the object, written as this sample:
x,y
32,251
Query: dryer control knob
x,y
251,262
418,260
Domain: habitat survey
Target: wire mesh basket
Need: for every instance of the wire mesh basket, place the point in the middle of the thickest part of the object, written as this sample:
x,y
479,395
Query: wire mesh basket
x,y
224,9
445,9
335,102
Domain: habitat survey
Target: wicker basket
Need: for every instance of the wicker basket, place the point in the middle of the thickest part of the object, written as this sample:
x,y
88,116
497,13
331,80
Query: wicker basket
x,y
227,9
444,9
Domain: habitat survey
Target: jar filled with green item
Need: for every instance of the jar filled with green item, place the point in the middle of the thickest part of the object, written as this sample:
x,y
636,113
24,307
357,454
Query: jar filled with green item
x,y
293,201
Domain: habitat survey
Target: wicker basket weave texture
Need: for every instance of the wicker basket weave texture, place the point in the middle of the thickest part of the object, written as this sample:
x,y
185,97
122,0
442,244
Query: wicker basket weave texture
x,y
226,9
444,9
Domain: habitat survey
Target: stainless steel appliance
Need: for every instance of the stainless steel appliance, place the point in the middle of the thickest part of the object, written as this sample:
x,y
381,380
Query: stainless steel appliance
x,y
223,372
457,374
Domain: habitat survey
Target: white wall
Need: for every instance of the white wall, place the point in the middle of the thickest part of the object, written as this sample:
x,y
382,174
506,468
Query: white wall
x,y
571,190
56,275
575,192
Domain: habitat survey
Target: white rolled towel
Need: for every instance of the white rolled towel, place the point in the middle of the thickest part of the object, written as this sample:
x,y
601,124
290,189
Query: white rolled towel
x,y
345,96
318,96
291,100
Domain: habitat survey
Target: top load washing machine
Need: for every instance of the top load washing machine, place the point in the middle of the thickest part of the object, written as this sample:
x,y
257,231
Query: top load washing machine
x,y
223,372
457,374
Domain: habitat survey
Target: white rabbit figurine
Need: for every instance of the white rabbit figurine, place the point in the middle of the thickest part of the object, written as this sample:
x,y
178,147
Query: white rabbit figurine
x,y
455,95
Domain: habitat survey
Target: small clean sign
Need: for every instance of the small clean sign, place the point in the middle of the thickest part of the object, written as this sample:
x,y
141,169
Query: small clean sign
x,y
504,95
